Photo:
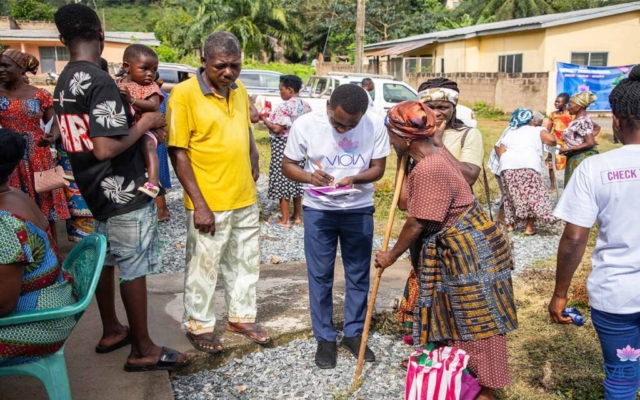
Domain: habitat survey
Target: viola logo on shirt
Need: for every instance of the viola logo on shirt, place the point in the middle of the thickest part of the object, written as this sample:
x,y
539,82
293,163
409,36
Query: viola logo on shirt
x,y
347,156
346,145
620,175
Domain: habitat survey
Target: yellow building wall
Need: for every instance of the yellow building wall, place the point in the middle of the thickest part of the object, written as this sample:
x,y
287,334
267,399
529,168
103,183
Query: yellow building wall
x,y
113,52
530,44
615,35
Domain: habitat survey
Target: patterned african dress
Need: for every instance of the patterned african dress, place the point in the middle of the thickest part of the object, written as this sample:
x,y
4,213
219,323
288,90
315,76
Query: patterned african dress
x,y
573,137
163,158
23,116
525,196
280,187
80,223
560,122
465,297
43,286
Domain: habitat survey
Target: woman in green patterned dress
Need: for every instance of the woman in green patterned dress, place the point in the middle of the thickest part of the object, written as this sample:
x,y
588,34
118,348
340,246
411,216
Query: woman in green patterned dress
x,y
31,276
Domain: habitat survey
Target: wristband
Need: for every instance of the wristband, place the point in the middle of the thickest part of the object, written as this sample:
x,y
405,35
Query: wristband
x,y
134,101
310,177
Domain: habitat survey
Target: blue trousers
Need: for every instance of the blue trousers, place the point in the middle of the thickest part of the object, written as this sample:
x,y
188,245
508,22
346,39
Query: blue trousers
x,y
322,230
619,336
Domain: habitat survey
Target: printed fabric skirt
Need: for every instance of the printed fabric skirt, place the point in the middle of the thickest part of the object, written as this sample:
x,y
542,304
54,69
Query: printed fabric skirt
x,y
80,223
465,294
280,187
574,159
525,196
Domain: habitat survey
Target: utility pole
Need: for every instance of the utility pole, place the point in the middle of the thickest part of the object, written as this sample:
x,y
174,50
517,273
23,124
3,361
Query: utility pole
x,y
360,16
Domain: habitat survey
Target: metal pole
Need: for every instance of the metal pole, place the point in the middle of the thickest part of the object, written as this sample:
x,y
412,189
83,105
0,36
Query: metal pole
x,y
360,16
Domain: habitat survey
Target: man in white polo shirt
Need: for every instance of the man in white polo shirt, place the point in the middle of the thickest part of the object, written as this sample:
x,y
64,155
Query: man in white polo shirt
x,y
346,146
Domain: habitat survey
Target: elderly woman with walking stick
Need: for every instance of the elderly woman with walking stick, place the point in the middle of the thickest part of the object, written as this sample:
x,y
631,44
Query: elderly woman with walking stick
x,y
464,255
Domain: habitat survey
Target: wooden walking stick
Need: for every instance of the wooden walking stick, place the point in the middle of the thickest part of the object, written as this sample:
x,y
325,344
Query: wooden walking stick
x,y
376,282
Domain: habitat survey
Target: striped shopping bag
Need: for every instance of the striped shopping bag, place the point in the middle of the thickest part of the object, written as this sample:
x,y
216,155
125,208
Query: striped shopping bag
x,y
439,374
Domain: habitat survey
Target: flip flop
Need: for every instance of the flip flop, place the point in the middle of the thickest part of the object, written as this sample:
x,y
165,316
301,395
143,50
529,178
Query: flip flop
x,y
168,362
215,341
274,223
530,233
246,333
108,349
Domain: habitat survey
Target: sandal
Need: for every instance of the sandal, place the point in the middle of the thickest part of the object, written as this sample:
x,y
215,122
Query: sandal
x,y
149,189
215,342
276,224
256,330
168,361
108,349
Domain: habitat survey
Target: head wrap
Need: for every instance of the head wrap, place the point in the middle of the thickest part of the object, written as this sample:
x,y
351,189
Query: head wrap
x,y
584,99
26,61
520,117
439,94
411,119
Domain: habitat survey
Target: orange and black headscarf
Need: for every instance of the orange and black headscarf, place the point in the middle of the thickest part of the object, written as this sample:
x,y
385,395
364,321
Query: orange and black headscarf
x,y
28,62
411,119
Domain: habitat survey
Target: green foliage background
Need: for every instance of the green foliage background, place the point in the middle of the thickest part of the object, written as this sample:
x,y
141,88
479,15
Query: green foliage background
x,y
290,30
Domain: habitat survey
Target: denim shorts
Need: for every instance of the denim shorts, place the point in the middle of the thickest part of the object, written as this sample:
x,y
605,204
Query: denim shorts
x,y
132,242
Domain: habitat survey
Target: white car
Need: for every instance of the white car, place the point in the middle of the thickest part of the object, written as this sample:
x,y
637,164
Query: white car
x,y
386,94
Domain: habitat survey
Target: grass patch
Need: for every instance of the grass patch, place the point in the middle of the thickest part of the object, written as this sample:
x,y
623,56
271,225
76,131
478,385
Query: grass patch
x,y
548,361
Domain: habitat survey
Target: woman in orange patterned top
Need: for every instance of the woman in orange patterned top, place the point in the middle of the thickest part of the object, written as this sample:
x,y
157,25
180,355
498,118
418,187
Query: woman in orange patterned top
x,y
22,107
559,120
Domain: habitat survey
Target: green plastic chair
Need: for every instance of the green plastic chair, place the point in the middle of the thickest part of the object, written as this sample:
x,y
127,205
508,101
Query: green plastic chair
x,y
84,263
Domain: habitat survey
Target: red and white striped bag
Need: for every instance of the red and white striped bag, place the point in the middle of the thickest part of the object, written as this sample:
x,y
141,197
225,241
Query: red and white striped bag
x,y
436,374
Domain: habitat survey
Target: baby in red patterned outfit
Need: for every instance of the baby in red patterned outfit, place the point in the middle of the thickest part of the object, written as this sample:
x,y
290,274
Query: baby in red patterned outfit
x,y
138,88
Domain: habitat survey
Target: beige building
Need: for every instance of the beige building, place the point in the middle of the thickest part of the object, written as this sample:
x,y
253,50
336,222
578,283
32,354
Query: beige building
x,y
41,40
528,46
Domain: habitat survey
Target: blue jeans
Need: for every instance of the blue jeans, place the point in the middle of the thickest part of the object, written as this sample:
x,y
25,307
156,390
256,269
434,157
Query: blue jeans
x,y
621,363
132,242
322,230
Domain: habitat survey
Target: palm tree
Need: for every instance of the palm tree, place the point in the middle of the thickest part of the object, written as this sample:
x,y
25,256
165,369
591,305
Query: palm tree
x,y
503,10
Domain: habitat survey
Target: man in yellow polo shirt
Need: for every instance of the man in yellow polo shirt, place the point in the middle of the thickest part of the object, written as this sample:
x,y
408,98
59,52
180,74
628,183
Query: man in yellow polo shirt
x,y
215,158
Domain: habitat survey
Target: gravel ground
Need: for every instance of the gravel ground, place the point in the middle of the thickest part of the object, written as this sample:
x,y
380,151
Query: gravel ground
x,y
277,245
289,372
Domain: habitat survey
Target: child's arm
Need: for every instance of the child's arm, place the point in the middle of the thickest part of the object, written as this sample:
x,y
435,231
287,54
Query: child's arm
x,y
151,103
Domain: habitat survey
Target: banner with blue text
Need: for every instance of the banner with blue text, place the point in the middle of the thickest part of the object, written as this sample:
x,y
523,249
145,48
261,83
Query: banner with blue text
x,y
600,81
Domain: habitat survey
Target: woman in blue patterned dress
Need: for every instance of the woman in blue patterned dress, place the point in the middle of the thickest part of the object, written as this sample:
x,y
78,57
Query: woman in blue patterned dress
x,y
163,161
31,277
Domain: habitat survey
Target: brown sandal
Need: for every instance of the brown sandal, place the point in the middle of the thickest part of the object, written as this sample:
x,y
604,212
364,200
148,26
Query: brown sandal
x,y
215,342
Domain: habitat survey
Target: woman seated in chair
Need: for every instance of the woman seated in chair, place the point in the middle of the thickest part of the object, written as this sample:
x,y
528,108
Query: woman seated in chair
x,y
31,277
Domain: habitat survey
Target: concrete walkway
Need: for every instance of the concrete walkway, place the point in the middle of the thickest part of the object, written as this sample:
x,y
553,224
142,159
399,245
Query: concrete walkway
x,y
282,309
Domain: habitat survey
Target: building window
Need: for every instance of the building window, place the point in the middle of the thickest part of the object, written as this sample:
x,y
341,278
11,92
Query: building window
x,y
591,59
49,55
510,64
442,65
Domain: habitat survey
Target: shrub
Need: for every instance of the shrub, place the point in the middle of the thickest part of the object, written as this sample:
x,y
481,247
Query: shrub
x,y
167,54
483,110
304,71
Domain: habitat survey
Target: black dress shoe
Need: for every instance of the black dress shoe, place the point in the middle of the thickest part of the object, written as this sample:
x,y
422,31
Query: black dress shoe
x,y
353,345
326,354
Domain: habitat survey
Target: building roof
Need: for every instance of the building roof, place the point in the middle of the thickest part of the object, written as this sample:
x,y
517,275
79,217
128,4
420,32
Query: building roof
x,y
495,28
145,38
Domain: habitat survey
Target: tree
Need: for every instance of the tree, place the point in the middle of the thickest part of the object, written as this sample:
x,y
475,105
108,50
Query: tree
x,y
32,10
504,10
